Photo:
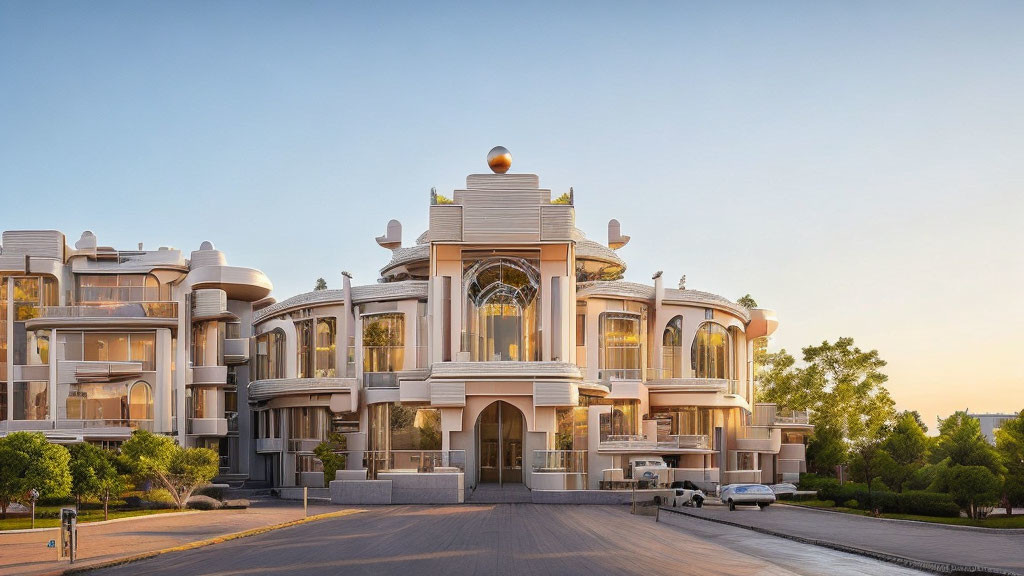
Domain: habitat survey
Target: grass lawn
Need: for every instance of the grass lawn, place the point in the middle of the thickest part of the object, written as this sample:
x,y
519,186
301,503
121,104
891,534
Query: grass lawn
x,y
89,512
997,521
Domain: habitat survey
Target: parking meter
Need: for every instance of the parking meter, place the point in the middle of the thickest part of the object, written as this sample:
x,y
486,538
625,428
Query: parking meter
x,y
33,495
68,533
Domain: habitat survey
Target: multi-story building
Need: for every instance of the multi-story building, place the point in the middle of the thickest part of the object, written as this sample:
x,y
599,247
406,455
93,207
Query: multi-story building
x,y
503,344
990,423
97,342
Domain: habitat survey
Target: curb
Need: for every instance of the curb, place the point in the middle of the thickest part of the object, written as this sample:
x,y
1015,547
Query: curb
x,y
934,567
103,522
207,542
919,522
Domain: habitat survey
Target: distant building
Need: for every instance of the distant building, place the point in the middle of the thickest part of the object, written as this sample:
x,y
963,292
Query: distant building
x,y
990,423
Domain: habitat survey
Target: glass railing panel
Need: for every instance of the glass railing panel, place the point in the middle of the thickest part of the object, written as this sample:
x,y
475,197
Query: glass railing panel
x,y
569,461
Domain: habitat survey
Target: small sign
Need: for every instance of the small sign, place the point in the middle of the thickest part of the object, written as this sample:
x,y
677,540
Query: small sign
x,y
51,544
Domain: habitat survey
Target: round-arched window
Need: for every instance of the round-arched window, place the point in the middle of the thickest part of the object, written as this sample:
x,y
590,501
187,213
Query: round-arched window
x,y
140,401
672,349
709,354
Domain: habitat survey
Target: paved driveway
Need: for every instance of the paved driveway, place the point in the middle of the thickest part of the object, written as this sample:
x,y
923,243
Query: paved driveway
x,y
1001,549
500,539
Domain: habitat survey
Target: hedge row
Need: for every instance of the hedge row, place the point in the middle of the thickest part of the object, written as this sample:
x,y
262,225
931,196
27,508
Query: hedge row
x,y
921,503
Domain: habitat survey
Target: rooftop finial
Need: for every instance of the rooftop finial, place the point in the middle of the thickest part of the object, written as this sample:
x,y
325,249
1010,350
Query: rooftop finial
x,y
433,195
499,159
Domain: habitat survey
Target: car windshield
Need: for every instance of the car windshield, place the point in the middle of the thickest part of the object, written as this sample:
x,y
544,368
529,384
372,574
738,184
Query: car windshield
x,y
753,489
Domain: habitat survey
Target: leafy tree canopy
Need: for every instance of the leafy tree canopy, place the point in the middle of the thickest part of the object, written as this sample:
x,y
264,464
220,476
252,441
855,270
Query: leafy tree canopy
x,y
321,284
747,301
28,461
180,470
1010,446
961,443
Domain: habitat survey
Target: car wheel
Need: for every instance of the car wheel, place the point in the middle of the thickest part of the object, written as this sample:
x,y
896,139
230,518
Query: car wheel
x,y
762,505
732,506
698,502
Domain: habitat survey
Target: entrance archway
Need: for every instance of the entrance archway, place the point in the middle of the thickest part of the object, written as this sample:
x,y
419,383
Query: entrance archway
x,y
499,442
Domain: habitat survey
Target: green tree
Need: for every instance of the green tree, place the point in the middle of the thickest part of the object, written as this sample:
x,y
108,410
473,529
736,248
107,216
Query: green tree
x,y
961,443
1010,446
321,284
903,451
747,301
28,461
972,487
844,388
94,473
326,452
179,470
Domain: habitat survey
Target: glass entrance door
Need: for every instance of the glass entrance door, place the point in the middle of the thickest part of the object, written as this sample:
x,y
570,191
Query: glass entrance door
x,y
500,441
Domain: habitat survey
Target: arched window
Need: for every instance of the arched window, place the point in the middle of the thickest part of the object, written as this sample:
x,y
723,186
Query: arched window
x,y
270,355
140,401
672,349
709,355
502,296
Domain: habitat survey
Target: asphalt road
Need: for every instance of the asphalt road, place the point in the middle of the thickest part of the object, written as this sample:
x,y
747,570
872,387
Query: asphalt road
x,y
991,548
512,539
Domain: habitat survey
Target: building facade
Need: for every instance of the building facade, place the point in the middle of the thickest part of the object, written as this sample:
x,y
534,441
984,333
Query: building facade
x,y
97,342
501,345
991,423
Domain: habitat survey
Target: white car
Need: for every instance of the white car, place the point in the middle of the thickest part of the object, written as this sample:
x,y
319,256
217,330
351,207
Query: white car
x,y
783,489
687,494
652,470
753,494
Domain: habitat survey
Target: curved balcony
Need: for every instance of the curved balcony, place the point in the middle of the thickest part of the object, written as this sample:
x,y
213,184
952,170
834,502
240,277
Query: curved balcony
x,y
274,388
209,376
236,351
148,314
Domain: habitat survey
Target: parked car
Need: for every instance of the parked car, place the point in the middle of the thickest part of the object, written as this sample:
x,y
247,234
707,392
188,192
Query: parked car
x,y
687,494
753,494
783,489
648,471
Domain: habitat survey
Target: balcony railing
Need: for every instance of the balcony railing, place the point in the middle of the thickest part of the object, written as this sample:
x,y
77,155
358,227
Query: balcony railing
x,y
380,380
570,461
112,310
641,442
609,374
406,461
106,423
793,417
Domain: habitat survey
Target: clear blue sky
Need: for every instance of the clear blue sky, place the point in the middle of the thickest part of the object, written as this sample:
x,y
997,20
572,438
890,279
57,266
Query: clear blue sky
x,y
857,166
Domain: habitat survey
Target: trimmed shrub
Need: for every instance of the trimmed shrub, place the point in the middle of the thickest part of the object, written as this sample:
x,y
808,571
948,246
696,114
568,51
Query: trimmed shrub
x,y
928,504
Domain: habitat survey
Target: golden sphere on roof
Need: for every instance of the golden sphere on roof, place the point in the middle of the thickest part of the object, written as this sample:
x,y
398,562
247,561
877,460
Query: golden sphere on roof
x,y
499,159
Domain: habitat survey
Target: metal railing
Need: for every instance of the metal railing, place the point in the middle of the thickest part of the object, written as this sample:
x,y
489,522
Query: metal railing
x,y
609,374
106,423
112,310
641,442
785,416
405,461
570,461
380,380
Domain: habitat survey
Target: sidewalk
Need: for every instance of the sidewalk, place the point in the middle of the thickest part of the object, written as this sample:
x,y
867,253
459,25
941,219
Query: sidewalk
x,y
934,547
26,552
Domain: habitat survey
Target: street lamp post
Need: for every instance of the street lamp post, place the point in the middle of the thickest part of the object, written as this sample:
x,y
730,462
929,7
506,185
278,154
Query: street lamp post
x,y
33,495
